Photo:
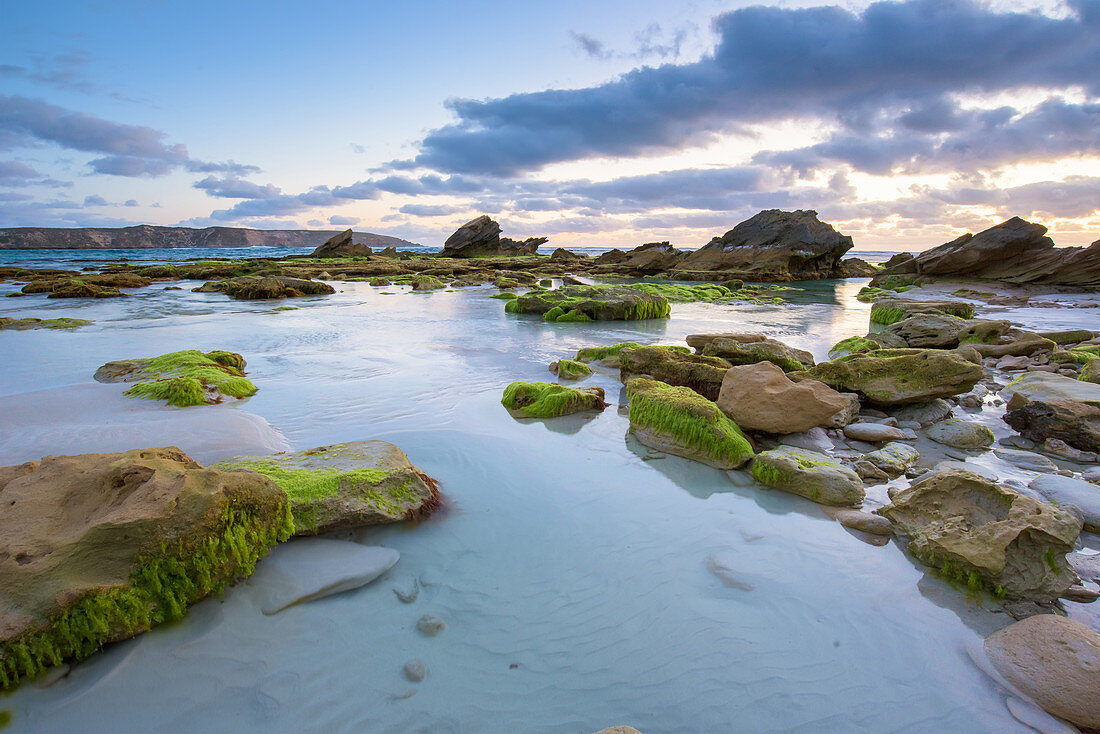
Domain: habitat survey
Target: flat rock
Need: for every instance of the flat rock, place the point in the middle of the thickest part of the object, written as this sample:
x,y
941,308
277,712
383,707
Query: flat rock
x,y
923,413
874,432
313,568
808,474
901,376
341,245
1045,387
894,458
961,434
864,521
1083,495
1028,460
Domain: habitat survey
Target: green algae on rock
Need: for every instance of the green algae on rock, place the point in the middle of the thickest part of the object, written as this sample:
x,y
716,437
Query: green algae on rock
x,y
900,376
550,400
609,355
28,323
346,485
591,303
891,311
506,296
183,378
701,373
809,474
738,349
97,548
853,345
256,287
682,422
569,369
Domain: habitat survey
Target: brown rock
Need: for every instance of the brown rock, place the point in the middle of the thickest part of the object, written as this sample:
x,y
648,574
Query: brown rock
x,y
341,245
1076,423
760,397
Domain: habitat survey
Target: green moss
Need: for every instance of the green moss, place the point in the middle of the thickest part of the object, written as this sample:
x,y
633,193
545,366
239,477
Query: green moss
x,y
971,293
886,315
5,718
895,282
569,369
852,345
33,323
769,474
306,485
1090,372
161,587
573,316
188,377
379,282
512,306
689,418
597,302
595,354
285,308
553,314
506,296
548,400
1085,354
546,282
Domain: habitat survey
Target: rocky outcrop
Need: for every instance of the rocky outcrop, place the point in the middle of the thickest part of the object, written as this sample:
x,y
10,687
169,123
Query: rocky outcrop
x,y
982,534
752,348
928,330
682,422
144,236
341,245
582,303
702,374
808,474
30,323
480,237
775,245
900,376
1046,388
182,379
1076,423
1055,661
648,259
760,397
257,287
346,485
99,547
1014,251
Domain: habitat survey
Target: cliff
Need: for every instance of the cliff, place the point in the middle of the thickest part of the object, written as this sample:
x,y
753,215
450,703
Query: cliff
x,y
145,236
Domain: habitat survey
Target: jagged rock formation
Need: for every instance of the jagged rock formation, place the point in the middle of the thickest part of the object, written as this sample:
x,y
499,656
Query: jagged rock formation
x,y
775,244
144,236
480,237
341,245
1014,251
647,259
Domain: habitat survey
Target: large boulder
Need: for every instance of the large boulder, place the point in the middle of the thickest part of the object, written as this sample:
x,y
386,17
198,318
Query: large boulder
x,y
1046,388
775,245
649,259
682,422
961,434
99,547
892,310
1055,661
480,237
583,303
738,349
977,532
341,245
346,485
261,287
808,474
933,330
1076,423
900,376
550,400
760,397
1014,251
702,374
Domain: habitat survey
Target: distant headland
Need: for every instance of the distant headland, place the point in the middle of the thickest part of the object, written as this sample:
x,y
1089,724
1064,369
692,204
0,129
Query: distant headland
x,y
147,236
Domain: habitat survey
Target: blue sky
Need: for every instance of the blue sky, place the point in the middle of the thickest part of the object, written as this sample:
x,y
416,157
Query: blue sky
x,y
904,123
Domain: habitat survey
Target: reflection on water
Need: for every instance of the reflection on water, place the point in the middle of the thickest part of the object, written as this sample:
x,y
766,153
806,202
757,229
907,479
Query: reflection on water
x,y
572,575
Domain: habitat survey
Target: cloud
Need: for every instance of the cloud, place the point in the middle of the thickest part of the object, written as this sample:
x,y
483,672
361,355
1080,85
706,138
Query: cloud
x,y
589,45
231,187
16,171
94,200
430,210
343,221
772,64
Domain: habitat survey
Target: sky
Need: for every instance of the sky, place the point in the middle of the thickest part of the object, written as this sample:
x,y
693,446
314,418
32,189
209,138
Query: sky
x,y
617,122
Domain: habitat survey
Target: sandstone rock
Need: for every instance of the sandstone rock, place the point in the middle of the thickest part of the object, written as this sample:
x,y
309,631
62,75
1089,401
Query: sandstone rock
x,y
874,432
808,474
961,434
775,245
928,330
563,255
651,258
1055,661
253,287
702,374
894,458
978,532
900,376
99,547
738,351
619,730
1085,496
345,485
1042,387
480,237
814,439
1077,424
430,625
1016,343
341,245
415,670
924,413
980,331
760,397
892,310
584,303
1026,460
864,521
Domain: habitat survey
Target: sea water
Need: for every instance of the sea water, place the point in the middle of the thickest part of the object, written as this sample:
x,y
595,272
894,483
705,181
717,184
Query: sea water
x,y
570,565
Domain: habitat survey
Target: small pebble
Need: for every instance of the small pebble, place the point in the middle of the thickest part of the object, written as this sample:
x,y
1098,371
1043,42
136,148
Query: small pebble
x,y
415,670
430,625
407,591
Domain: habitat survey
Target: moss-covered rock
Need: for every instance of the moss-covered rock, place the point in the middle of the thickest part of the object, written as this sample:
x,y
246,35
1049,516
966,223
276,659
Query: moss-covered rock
x,y
740,351
987,536
253,287
506,296
934,330
184,378
346,485
682,422
101,547
900,376
890,311
984,331
701,373
853,345
961,434
26,324
549,400
609,355
1090,372
808,474
569,369
591,303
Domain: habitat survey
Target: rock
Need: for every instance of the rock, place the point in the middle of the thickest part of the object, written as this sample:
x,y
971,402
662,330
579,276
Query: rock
x,y
760,397
928,330
1090,372
254,287
814,439
1055,661
1081,594
651,258
609,356
549,400
775,245
1014,251
1013,363
855,345
874,432
346,485
984,332
313,568
737,351
182,379
704,375
341,245
682,422
808,474
730,578
407,591
430,625
864,521
961,434
99,547
1043,387
900,376
1076,423
1071,336
76,288
924,414
33,323
619,730
1061,449
1083,495
569,369
480,237
563,255
1026,460
979,533
1015,343
894,458
415,671
591,303
892,310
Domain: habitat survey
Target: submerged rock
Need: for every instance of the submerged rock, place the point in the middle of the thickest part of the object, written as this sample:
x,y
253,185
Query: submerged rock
x,y
341,245
99,547
415,670
864,521
262,287
1055,661
702,374
609,356
430,625
900,376
984,535
682,422
346,485
182,379
591,303
312,568
26,324
760,397
808,474
550,400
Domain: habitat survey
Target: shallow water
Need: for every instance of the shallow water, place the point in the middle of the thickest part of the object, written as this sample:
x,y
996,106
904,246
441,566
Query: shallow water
x,y
571,565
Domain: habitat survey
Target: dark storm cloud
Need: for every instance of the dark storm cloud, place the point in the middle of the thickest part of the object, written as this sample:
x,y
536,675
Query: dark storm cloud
x,y
772,64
